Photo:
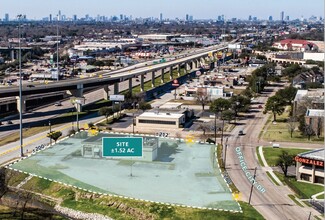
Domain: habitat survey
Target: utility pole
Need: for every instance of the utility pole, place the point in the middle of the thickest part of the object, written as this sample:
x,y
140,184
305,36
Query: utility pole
x,y
20,92
250,195
225,160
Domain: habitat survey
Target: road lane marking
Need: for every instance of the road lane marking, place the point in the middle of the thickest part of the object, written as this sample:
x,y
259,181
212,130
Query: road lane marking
x,y
30,142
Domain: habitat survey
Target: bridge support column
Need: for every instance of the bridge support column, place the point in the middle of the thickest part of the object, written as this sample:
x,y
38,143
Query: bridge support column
x,y
197,63
130,85
23,104
116,88
171,72
188,67
179,69
162,75
142,83
194,64
78,93
7,107
12,55
106,92
153,79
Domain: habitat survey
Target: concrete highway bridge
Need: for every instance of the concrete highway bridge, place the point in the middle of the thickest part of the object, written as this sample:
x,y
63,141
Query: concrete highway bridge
x,y
104,79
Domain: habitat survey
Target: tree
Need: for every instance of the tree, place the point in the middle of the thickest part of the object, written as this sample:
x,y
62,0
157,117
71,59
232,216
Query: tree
x,y
275,105
240,104
309,131
219,105
54,135
202,98
292,124
319,127
287,94
228,115
284,161
144,106
106,111
204,126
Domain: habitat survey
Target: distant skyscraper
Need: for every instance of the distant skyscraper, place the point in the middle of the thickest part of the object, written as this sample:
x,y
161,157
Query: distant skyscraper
x,y
186,17
250,17
59,16
121,17
161,17
287,18
50,17
270,18
282,15
6,17
74,17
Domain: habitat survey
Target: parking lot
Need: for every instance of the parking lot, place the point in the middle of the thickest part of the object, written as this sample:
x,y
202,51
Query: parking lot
x,y
182,173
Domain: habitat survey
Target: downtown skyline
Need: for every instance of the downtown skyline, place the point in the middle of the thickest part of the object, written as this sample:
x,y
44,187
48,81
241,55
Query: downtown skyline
x,y
204,9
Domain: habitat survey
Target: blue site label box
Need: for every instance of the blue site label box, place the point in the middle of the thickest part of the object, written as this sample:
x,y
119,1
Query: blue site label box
x,y
122,146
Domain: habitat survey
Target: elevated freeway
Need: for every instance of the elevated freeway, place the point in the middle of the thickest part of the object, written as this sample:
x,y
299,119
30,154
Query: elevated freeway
x,y
109,78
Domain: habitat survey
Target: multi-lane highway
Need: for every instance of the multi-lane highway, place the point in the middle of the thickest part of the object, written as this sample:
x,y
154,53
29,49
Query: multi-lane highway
x,y
106,78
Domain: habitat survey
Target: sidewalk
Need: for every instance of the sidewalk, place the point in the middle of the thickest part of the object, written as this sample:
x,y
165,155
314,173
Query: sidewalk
x,y
266,166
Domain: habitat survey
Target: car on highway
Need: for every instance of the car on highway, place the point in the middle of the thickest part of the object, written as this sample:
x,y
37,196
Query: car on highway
x,y
58,104
260,106
30,86
241,132
9,122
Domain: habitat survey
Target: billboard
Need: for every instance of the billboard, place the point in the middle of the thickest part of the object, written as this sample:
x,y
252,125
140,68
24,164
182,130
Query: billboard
x,y
118,98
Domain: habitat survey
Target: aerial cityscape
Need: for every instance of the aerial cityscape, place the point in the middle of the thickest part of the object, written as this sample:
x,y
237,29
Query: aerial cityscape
x,y
162,110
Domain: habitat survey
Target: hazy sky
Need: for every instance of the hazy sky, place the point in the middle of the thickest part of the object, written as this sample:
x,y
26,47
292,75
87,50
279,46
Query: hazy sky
x,y
262,9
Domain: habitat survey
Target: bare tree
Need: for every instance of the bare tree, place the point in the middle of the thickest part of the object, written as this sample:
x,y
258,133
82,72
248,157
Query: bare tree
x,y
205,127
202,98
292,124
319,126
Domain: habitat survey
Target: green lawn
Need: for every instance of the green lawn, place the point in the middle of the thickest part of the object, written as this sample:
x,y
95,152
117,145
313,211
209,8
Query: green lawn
x,y
307,189
279,132
320,196
271,154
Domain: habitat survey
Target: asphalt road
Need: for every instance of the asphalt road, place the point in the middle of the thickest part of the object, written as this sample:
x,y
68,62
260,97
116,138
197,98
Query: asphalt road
x,y
273,204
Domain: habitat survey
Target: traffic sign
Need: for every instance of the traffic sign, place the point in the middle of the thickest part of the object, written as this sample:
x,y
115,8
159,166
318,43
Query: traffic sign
x,y
175,82
122,146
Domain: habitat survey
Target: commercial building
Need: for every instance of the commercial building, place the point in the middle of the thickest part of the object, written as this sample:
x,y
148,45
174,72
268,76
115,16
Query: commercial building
x,y
310,166
296,45
160,120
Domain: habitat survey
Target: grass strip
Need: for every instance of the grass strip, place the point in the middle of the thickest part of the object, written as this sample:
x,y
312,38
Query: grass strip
x,y
271,177
293,198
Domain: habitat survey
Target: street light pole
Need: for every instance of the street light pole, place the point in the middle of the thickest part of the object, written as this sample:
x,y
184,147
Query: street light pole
x,y
50,134
20,92
225,160
133,123
77,117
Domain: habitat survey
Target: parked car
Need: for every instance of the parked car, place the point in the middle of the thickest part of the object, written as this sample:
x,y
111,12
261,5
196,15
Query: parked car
x,y
241,132
9,122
